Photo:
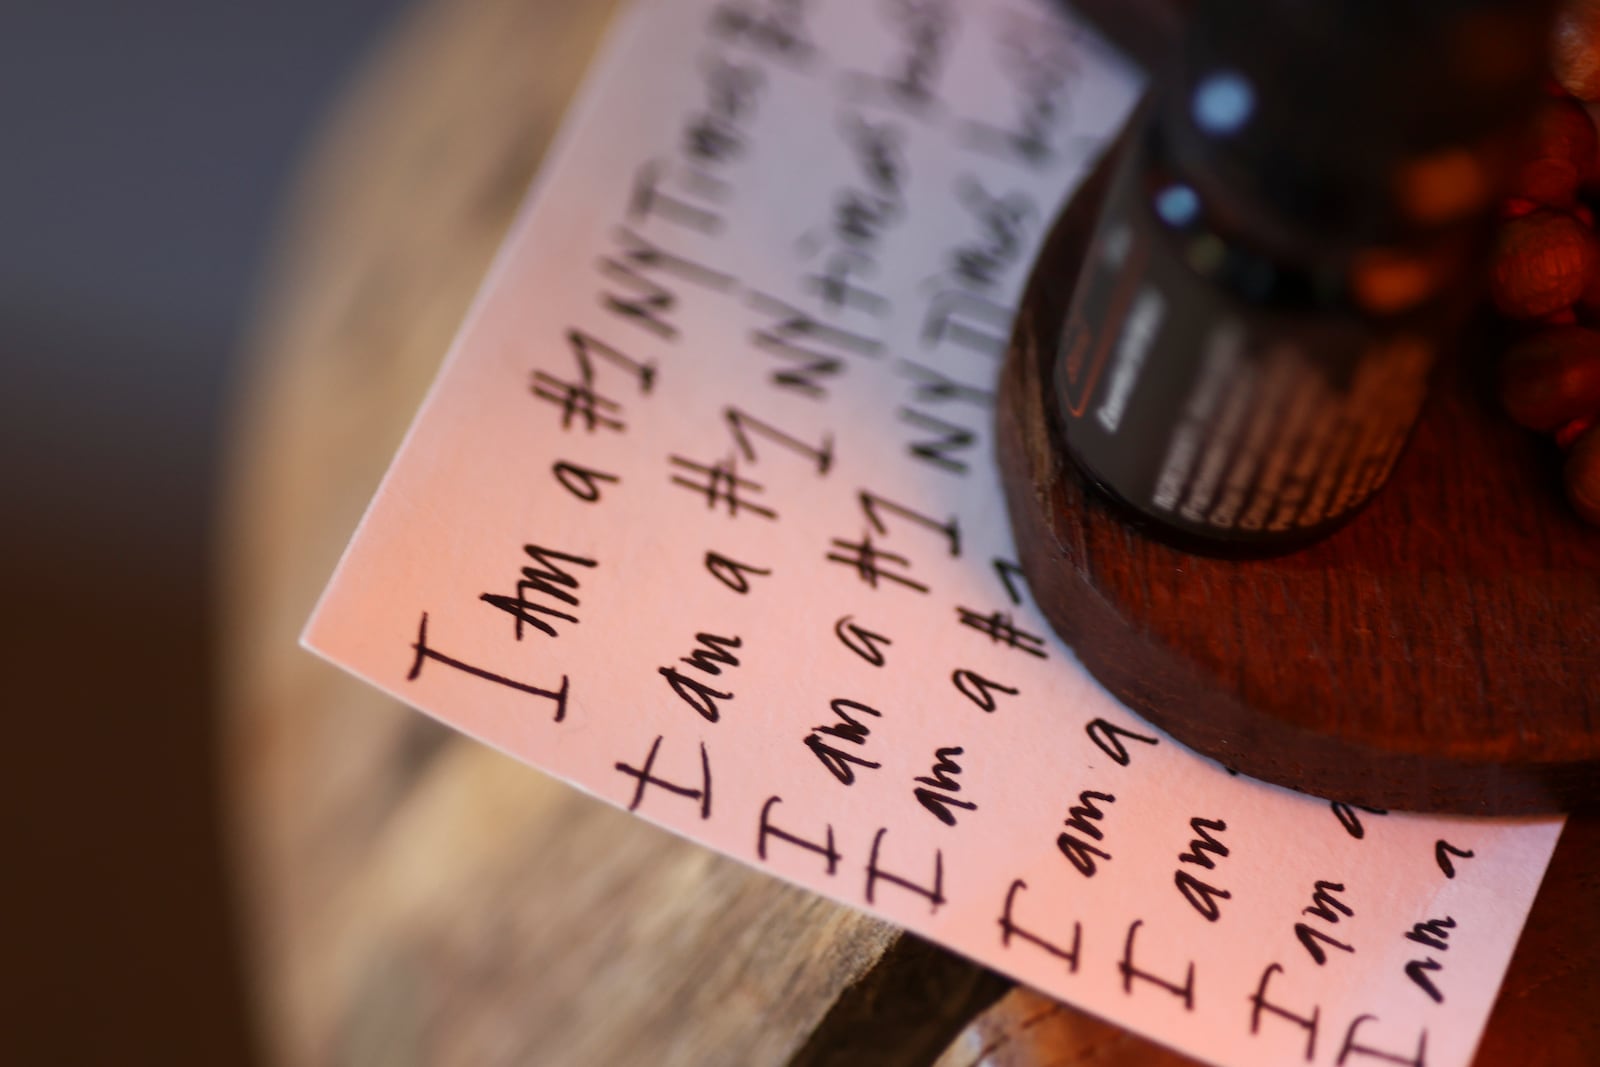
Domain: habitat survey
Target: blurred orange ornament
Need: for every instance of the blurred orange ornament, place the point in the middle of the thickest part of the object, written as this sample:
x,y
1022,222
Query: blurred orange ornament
x,y
1543,262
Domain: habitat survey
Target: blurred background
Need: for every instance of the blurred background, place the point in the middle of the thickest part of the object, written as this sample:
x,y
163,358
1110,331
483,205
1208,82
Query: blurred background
x,y
147,150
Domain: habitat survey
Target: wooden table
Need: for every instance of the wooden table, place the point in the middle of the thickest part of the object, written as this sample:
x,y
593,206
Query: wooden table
x,y
412,897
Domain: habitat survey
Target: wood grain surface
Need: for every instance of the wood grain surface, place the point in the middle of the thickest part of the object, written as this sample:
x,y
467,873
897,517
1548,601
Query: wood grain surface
x,y
1441,652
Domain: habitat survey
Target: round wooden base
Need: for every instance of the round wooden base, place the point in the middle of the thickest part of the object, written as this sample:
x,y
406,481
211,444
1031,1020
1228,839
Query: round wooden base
x,y
1441,652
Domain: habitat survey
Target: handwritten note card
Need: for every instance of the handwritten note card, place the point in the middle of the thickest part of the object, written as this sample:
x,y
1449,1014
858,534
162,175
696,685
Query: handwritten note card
x,y
701,515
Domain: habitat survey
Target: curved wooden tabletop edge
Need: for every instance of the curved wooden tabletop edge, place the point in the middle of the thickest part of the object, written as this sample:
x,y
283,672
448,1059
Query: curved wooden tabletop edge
x,y
339,795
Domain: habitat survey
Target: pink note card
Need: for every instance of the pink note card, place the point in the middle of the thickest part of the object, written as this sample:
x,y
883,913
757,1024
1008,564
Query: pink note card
x,y
701,516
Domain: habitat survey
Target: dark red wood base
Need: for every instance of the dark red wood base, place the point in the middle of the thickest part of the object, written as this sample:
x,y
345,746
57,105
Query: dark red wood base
x,y
1441,652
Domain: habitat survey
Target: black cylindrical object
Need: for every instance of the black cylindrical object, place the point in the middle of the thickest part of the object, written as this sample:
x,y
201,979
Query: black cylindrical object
x,y
1291,239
